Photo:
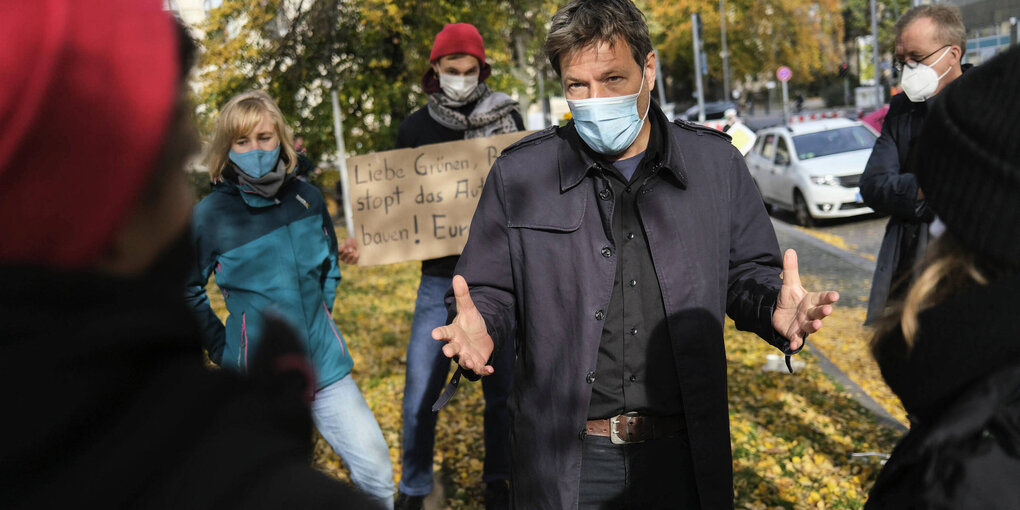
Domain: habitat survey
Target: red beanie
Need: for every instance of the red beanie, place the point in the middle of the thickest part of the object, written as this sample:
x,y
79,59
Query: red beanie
x,y
458,38
453,39
86,94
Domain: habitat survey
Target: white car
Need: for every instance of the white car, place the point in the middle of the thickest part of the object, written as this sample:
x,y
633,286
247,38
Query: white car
x,y
812,168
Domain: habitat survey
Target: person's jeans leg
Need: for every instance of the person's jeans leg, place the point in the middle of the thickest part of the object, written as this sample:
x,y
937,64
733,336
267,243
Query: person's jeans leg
x,y
346,422
496,389
603,475
427,368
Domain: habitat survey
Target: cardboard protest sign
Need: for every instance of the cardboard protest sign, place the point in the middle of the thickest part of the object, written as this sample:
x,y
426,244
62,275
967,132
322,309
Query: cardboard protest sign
x,y
417,204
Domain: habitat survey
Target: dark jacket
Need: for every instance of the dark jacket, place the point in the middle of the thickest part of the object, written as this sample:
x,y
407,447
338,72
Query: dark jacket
x,y
419,129
889,186
961,386
109,404
539,261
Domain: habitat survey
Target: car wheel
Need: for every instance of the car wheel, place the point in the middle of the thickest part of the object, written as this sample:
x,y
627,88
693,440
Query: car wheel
x,y
801,211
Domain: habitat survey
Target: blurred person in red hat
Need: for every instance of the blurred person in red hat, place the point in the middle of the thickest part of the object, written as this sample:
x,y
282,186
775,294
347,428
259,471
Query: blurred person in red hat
x,y
109,402
460,106
268,238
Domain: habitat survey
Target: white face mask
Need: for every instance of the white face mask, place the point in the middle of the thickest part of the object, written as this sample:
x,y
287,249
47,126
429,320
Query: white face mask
x,y
456,87
920,81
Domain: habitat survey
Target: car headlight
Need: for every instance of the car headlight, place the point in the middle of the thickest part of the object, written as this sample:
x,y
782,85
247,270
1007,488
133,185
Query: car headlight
x,y
825,180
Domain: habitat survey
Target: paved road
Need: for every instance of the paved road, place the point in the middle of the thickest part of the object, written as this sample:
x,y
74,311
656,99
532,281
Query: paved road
x,y
839,269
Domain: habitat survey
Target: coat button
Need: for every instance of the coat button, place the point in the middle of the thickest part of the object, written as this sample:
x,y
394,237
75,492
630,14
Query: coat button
x,y
607,252
605,194
633,331
632,283
599,315
633,378
590,378
630,235
627,189
582,434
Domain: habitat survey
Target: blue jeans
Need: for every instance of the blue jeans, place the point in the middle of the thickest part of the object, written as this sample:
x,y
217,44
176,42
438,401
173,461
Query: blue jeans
x,y
348,425
427,370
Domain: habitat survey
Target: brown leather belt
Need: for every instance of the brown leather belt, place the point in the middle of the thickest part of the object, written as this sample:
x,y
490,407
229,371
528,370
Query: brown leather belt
x,y
633,428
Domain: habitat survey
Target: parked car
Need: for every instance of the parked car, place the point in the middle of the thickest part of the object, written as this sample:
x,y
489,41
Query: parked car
x,y
713,110
812,168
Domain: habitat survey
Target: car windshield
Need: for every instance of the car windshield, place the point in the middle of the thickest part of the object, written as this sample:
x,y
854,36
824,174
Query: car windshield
x,y
833,141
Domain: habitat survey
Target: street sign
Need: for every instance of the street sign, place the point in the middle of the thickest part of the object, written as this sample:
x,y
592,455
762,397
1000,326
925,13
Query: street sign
x,y
784,74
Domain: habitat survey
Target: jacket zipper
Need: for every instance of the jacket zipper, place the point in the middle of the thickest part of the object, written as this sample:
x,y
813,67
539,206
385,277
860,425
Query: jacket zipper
x,y
244,342
333,325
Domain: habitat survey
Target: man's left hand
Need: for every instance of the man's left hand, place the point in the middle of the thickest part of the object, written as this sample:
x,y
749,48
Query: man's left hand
x,y
799,312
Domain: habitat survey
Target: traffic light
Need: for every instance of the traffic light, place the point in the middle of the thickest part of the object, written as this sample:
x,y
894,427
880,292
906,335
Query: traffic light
x,y
844,70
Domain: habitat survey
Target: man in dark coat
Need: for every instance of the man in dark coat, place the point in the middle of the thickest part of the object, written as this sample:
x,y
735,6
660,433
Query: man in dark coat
x,y
608,251
108,400
930,41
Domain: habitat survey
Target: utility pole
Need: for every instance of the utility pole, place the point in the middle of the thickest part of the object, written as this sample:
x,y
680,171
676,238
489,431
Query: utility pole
x,y
696,34
874,51
725,53
658,81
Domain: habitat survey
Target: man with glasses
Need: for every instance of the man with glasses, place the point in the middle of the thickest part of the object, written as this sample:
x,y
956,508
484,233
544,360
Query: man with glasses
x,y
930,42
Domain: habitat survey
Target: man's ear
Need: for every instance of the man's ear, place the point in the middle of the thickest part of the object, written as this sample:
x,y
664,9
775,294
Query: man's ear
x,y
649,70
958,52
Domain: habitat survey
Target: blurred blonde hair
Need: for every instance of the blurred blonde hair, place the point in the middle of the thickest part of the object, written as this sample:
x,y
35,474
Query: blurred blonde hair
x,y
948,268
239,117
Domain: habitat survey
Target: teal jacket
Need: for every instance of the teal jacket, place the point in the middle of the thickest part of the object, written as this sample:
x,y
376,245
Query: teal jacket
x,y
269,256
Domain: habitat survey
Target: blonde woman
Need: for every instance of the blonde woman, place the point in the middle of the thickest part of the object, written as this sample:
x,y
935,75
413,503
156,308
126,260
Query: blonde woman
x,y
269,240
951,349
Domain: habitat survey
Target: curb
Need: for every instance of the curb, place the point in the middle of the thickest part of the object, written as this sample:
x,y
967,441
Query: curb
x,y
867,267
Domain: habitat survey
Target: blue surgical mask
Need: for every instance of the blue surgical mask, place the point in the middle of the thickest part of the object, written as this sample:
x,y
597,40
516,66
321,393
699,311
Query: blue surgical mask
x,y
256,163
609,125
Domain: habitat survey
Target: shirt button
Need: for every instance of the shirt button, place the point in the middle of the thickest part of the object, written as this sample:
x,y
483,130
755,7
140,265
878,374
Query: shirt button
x,y
630,235
605,194
590,378
633,331
607,252
599,315
633,378
633,283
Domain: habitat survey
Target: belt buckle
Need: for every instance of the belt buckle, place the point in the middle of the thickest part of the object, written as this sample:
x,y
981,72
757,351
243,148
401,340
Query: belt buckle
x,y
614,433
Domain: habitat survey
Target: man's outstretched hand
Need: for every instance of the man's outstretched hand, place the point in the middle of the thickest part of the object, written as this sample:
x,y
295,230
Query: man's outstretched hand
x,y
799,312
466,337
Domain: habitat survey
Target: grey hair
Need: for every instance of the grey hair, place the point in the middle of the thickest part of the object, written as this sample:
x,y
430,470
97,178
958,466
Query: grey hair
x,y
948,21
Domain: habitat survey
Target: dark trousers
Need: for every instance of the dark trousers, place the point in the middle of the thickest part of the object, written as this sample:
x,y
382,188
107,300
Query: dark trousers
x,y
650,475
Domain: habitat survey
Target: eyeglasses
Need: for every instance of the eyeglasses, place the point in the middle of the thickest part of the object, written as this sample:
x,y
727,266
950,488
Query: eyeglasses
x,y
911,63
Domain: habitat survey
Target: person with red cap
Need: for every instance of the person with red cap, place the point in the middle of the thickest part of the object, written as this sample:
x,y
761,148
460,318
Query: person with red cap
x,y
460,106
109,403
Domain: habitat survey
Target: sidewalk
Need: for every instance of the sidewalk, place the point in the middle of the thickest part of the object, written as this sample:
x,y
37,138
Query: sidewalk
x,y
841,351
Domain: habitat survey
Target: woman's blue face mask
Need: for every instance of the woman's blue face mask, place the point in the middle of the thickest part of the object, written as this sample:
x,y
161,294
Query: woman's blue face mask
x,y
256,163
609,125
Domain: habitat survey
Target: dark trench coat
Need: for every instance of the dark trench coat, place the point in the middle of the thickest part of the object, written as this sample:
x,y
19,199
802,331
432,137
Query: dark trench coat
x,y
539,273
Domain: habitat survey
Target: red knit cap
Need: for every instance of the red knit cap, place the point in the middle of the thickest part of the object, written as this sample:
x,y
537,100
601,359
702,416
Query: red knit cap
x,y
86,94
458,38
453,39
